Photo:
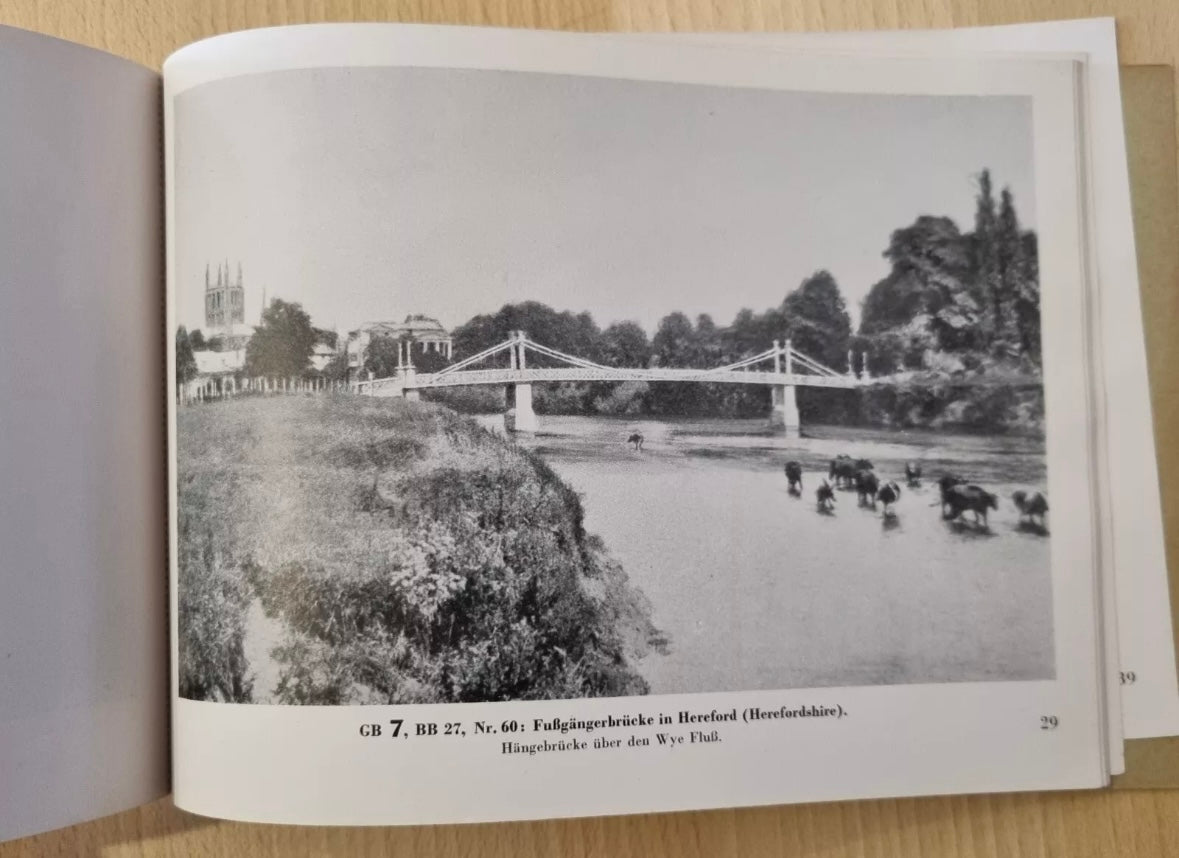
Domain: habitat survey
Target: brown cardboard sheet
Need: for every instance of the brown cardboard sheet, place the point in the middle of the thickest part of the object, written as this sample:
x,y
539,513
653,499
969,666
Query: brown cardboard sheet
x,y
1148,96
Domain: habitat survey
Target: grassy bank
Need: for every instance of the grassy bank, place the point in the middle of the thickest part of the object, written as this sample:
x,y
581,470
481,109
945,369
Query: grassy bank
x,y
410,556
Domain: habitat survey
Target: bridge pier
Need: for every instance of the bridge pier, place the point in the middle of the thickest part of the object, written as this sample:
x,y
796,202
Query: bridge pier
x,y
521,417
784,417
408,376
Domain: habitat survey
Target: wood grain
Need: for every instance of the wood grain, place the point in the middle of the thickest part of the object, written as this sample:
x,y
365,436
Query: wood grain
x,y
1130,823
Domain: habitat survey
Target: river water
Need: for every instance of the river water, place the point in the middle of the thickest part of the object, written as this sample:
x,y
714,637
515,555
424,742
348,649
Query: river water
x,y
755,589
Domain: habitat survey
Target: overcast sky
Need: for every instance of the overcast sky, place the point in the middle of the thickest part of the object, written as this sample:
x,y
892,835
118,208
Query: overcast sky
x,y
368,194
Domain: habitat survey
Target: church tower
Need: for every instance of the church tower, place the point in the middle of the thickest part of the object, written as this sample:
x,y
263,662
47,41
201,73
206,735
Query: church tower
x,y
225,301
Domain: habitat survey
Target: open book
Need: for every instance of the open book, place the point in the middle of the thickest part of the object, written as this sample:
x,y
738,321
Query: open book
x,y
552,424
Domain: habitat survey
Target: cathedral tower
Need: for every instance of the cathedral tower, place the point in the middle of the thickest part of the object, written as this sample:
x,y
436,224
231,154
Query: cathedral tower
x,y
225,301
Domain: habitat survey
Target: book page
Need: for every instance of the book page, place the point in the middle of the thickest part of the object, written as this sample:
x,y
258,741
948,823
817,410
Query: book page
x,y
549,445
1145,667
83,605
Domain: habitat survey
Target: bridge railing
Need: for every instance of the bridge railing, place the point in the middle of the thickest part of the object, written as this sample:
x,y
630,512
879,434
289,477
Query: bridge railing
x,y
569,374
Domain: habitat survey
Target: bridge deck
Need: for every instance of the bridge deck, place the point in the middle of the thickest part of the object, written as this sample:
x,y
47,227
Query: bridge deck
x,y
394,386
427,381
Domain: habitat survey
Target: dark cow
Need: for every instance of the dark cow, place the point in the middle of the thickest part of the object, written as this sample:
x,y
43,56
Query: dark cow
x,y
866,487
945,483
888,494
825,497
913,474
1031,508
843,470
960,498
636,441
794,478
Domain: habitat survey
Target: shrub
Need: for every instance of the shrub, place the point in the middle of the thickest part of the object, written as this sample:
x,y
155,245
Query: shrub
x,y
410,555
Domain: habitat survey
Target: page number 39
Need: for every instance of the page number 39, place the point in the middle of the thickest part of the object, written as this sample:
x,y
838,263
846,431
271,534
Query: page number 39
x,y
1049,722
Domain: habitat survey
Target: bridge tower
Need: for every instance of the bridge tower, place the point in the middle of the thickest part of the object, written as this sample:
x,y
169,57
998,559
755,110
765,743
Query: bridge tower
x,y
784,402
406,371
520,416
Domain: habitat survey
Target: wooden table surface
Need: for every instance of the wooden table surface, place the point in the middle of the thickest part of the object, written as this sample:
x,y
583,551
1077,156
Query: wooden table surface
x,y
1132,823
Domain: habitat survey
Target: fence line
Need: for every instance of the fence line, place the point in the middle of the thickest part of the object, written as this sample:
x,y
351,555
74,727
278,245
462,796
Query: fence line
x,y
229,387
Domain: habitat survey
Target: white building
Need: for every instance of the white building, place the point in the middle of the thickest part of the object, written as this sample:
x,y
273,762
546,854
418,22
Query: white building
x,y
423,335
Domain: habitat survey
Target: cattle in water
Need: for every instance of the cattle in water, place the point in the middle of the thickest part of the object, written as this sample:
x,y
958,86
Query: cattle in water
x,y
825,498
960,498
913,474
843,470
636,441
794,477
866,487
945,483
888,494
1031,507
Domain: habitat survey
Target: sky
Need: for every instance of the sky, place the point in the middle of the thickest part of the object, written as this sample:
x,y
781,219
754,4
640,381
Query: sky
x,y
370,193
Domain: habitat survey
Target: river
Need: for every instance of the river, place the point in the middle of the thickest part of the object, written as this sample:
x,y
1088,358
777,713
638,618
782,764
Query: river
x,y
755,589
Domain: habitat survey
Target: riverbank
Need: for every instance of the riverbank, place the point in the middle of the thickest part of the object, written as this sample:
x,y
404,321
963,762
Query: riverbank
x,y
924,401
383,551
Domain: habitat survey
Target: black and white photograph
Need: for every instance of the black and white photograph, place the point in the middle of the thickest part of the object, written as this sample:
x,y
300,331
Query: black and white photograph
x,y
536,386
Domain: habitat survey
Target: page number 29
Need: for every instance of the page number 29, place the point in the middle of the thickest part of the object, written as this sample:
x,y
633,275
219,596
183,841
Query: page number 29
x,y
1049,722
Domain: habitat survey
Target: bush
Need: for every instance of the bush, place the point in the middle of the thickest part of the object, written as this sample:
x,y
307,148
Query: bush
x,y
212,602
411,556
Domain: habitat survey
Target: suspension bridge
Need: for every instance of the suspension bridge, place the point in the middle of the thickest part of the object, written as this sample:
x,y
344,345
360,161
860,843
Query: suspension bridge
x,y
781,367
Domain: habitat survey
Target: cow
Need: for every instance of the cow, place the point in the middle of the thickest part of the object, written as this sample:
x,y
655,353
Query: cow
x,y
843,470
825,498
636,441
794,477
960,498
866,487
945,483
1031,508
913,474
888,494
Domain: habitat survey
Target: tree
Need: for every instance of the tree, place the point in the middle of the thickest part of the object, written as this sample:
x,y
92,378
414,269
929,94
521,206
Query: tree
x,y
282,344
988,288
708,346
675,345
927,300
625,344
1027,299
817,321
675,340
186,365
575,334
381,356
336,369
1019,289
196,339
931,262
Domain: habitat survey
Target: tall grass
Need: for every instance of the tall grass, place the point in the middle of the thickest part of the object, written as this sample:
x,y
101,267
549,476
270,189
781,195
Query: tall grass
x,y
410,555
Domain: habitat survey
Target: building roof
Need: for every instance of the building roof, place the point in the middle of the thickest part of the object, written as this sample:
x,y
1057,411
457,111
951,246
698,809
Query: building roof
x,y
414,325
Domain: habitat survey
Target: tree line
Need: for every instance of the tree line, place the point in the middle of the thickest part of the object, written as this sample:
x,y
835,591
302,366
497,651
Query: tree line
x,y
953,303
